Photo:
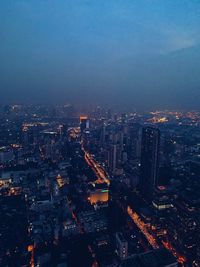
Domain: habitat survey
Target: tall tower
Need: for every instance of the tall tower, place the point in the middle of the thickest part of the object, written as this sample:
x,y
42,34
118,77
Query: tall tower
x,y
149,161
112,158
83,123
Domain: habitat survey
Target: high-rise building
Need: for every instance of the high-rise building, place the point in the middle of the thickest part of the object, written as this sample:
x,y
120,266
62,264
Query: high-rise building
x,y
122,246
112,158
63,130
84,123
134,141
149,161
103,134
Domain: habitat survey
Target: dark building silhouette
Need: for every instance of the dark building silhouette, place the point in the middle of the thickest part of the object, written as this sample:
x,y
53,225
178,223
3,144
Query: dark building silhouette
x,y
149,161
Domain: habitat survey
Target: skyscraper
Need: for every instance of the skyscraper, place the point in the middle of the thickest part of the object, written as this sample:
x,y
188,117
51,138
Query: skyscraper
x,y
112,158
83,123
149,161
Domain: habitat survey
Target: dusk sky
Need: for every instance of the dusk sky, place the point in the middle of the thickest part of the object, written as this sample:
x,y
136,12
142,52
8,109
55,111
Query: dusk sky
x,y
137,53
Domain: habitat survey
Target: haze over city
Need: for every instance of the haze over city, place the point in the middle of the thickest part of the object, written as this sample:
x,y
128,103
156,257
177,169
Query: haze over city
x,y
143,54
99,133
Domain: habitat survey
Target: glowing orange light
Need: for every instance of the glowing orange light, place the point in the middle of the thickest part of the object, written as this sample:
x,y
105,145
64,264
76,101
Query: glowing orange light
x,y
83,118
30,248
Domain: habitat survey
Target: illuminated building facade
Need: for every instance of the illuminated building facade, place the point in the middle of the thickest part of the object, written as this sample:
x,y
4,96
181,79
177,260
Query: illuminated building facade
x,y
99,193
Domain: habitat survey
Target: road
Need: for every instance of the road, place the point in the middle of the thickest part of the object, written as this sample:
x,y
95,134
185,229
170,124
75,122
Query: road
x,y
151,239
100,173
142,226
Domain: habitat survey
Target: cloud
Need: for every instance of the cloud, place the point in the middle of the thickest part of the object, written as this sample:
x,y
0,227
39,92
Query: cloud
x,y
176,41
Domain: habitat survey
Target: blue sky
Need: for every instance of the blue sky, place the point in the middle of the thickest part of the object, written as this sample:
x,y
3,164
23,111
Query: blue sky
x,y
143,53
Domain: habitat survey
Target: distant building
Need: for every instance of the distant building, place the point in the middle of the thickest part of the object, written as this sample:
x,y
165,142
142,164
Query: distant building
x,y
93,221
6,154
112,158
63,130
149,161
122,246
69,228
84,123
103,134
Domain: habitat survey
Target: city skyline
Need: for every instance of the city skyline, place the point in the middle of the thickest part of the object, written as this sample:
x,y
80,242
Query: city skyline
x,y
99,190
99,133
